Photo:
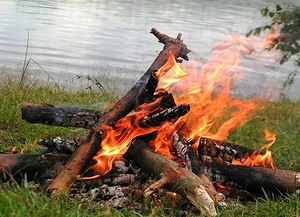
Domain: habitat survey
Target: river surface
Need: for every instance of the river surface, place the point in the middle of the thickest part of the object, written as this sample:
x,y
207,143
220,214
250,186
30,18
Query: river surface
x,y
111,40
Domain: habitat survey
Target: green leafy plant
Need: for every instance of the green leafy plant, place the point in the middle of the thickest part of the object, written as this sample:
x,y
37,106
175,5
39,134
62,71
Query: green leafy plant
x,y
288,25
287,22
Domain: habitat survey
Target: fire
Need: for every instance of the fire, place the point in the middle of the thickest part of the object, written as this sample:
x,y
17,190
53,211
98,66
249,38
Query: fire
x,y
219,187
257,158
14,150
207,88
115,140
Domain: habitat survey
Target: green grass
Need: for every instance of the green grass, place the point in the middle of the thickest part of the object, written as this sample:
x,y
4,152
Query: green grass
x,y
282,118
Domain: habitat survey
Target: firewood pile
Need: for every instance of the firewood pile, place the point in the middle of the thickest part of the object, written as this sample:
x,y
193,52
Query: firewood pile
x,y
124,167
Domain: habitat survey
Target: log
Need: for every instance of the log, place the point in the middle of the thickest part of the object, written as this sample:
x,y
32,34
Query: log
x,y
185,152
223,150
60,116
173,177
34,166
169,114
88,148
256,179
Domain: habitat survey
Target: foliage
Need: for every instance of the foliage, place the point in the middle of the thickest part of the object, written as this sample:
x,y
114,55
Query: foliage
x,y
288,24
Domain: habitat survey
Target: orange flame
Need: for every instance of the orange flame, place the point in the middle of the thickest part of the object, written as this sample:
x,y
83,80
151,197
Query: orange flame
x,y
257,158
208,89
219,187
115,140
14,150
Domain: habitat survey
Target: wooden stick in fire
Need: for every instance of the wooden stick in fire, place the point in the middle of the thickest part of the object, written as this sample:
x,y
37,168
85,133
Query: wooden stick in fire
x,y
88,148
172,176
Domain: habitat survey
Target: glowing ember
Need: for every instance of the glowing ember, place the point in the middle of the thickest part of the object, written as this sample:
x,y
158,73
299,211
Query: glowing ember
x,y
207,88
257,158
14,150
219,187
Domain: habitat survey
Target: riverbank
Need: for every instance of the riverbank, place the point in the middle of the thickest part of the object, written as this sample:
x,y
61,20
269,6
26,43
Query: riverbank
x,y
282,118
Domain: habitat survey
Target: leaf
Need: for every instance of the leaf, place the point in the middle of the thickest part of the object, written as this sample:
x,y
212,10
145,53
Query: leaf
x,y
264,12
271,14
283,59
278,8
257,31
249,33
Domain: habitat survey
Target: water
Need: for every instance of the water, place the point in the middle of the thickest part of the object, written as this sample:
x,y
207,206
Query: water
x,y
111,40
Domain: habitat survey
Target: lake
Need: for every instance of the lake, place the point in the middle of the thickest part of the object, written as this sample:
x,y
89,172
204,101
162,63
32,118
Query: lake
x,y
111,40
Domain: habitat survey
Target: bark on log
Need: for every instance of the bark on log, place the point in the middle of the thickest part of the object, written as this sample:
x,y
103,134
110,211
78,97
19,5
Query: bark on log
x,y
185,151
254,179
89,148
222,149
60,116
174,177
34,166
169,114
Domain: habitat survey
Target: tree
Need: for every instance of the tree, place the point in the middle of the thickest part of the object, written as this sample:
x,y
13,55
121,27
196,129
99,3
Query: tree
x,y
287,22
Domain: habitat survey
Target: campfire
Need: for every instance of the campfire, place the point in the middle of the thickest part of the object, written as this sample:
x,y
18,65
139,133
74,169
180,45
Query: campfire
x,y
172,125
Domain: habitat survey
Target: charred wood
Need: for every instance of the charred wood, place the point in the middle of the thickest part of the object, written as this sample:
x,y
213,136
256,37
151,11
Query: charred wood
x,y
173,45
169,114
15,166
60,116
254,179
120,179
222,149
172,176
58,145
185,151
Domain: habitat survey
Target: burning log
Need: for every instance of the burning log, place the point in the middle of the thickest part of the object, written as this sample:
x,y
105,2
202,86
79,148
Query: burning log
x,y
88,148
256,179
185,151
169,114
60,116
174,177
222,149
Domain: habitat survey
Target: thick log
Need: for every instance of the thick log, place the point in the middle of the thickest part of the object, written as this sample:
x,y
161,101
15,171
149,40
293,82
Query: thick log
x,y
88,148
257,179
60,116
34,166
173,177
222,149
